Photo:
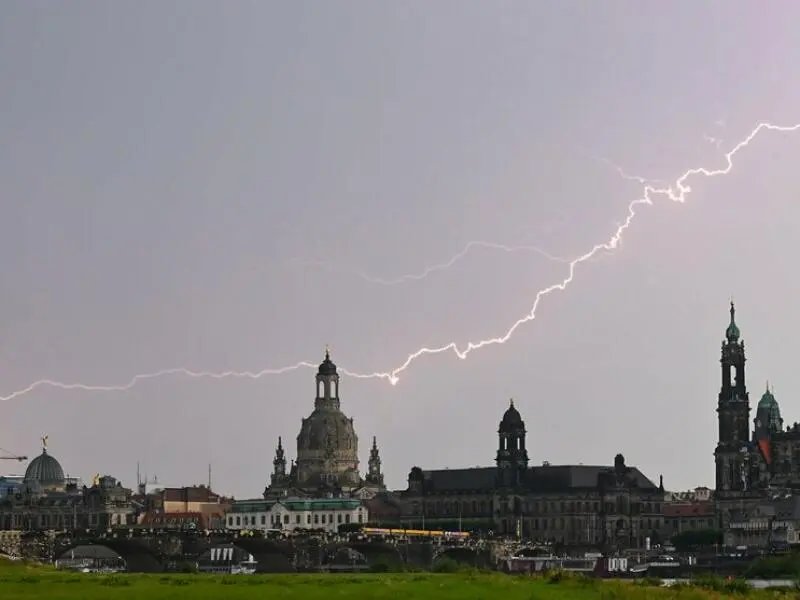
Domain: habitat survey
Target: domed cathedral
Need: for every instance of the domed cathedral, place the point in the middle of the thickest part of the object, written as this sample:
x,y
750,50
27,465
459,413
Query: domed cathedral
x,y
48,500
327,450
575,505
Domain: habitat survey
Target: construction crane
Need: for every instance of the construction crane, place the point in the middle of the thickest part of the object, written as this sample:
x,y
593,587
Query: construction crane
x,y
11,456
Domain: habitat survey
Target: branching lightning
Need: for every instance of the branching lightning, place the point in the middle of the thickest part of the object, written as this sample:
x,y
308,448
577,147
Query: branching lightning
x,y
626,176
441,266
677,192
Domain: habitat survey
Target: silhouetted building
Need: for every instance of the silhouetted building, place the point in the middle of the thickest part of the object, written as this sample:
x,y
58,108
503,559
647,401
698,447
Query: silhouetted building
x,y
568,504
751,465
327,462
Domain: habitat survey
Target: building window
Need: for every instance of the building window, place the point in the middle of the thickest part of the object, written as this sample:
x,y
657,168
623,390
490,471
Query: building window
x,y
339,518
286,519
230,521
297,519
316,519
360,518
263,519
347,518
308,519
323,519
238,521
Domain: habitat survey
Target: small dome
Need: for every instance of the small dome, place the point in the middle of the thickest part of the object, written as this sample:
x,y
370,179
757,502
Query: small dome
x,y
511,418
732,333
45,470
327,366
768,412
416,474
767,400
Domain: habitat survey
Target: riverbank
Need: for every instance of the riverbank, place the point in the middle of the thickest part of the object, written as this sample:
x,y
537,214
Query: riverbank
x,y
20,582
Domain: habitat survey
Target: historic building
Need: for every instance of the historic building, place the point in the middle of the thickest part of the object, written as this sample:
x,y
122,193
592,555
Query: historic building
x,y
47,500
191,507
327,462
750,464
567,504
288,515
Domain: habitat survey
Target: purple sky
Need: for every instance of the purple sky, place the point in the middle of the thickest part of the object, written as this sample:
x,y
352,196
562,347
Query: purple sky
x,y
187,184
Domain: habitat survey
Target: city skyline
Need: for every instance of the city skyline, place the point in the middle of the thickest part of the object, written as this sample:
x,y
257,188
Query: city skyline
x,y
198,189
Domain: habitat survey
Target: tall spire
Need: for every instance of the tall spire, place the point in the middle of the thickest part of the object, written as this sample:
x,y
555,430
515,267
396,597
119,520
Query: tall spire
x,y
374,475
732,332
279,463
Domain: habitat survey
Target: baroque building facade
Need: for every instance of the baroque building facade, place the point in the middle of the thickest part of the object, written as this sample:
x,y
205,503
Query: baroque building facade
x,y
47,500
577,505
327,463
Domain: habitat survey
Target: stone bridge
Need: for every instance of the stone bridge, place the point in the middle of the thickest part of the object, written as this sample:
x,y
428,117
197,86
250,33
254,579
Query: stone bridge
x,y
152,551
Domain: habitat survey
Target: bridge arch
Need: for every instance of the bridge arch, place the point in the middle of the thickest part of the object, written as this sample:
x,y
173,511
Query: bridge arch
x,y
271,556
376,553
138,557
460,554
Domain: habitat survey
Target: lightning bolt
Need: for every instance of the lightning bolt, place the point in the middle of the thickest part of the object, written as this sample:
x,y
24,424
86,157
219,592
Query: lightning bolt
x,y
145,376
626,176
677,192
441,266
712,140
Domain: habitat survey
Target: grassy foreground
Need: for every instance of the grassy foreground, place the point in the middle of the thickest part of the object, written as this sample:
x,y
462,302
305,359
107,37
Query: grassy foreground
x,y
20,582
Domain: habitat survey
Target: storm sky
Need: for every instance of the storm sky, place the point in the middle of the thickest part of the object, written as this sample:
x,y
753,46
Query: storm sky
x,y
231,186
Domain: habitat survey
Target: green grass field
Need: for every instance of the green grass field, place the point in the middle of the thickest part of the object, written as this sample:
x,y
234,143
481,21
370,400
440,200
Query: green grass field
x,y
18,582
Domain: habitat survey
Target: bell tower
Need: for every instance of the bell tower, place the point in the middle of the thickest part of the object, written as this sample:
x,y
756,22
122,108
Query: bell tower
x,y
279,464
327,384
733,410
512,456
374,475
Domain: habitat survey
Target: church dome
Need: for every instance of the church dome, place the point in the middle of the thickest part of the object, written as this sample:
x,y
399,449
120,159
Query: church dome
x,y
45,470
511,418
327,429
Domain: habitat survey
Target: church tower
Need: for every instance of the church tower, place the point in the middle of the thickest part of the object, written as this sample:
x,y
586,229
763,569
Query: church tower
x,y
279,464
512,457
327,445
733,410
374,475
